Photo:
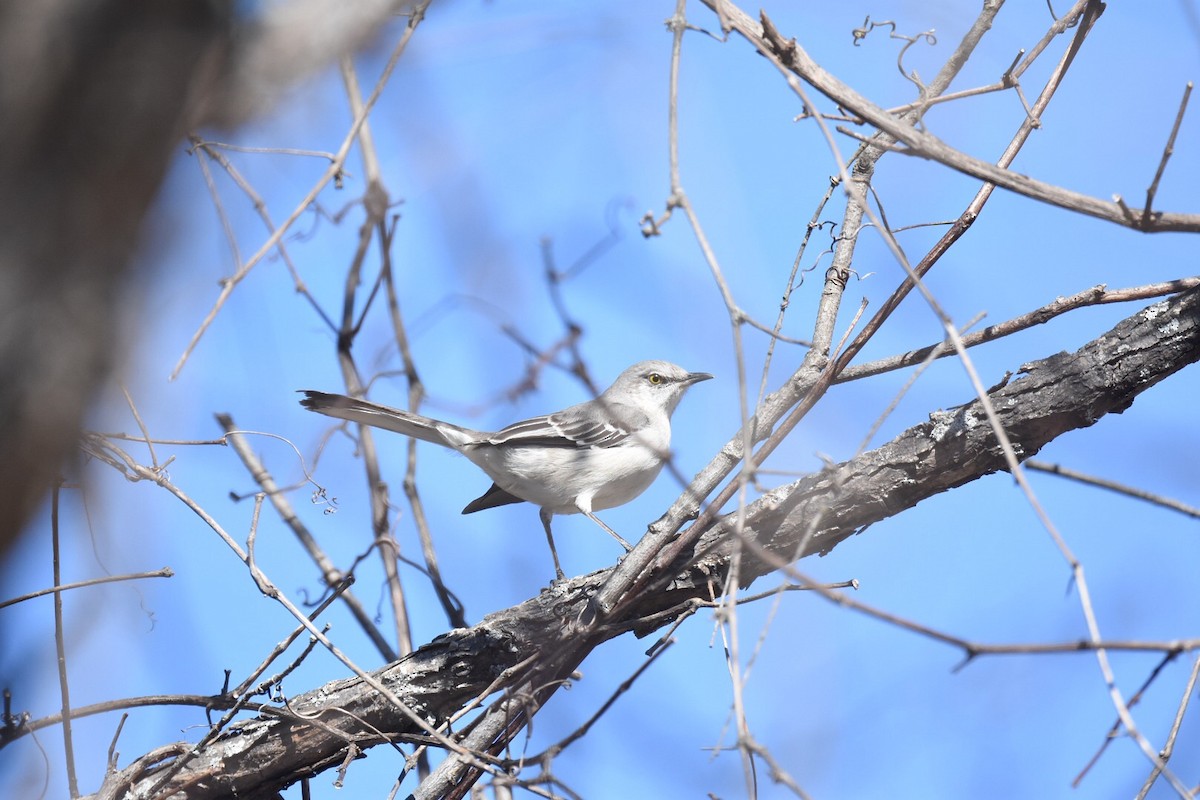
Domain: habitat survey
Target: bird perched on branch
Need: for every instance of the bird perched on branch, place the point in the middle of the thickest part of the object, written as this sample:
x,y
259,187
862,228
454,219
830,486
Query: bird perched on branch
x,y
586,458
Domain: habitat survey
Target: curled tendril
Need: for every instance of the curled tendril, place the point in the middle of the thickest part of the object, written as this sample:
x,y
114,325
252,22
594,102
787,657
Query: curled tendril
x,y
1054,15
803,271
928,36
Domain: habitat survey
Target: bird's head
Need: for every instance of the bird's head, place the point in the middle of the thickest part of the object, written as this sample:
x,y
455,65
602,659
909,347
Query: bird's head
x,y
654,383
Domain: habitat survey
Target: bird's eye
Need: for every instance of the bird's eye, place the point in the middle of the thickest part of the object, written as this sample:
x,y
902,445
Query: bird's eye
x,y
654,378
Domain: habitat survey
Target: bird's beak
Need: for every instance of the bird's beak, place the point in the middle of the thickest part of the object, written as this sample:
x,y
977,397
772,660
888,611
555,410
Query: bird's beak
x,y
696,377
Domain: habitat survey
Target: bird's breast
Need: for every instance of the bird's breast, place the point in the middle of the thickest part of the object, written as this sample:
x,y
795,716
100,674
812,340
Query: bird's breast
x,y
555,478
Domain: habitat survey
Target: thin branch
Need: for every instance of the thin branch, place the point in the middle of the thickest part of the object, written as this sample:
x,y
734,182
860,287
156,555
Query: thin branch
x,y
215,701
1168,150
137,418
1097,295
1115,730
279,151
1120,488
165,572
1168,749
64,687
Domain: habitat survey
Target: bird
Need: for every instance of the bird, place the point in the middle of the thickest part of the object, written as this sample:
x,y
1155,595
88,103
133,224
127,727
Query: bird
x,y
586,458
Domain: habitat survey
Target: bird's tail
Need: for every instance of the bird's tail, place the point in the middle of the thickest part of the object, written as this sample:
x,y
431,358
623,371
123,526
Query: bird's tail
x,y
392,419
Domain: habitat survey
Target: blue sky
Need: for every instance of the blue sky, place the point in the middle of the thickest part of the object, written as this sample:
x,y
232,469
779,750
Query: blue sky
x,y
509,122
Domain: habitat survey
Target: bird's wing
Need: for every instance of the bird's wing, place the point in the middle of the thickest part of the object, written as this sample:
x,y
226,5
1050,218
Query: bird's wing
x,y
585,425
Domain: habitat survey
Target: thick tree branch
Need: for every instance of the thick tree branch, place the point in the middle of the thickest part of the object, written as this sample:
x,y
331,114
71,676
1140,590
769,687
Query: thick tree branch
x,y
531,644
1050,397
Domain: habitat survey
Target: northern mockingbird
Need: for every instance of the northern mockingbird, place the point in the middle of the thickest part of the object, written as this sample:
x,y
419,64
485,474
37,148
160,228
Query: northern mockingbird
x,y
592,456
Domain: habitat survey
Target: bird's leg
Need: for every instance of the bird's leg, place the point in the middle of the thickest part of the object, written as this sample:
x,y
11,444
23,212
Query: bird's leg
x,y
545,517
611,532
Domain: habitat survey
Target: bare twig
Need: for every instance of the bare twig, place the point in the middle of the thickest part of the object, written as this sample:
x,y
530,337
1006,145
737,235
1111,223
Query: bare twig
x,y
1097,295
1115,730
1168,749
281,151
1121,488
64,686
137,417
1168,150
165,572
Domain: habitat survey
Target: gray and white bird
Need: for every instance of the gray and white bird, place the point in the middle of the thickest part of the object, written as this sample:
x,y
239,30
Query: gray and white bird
x,y
586,458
